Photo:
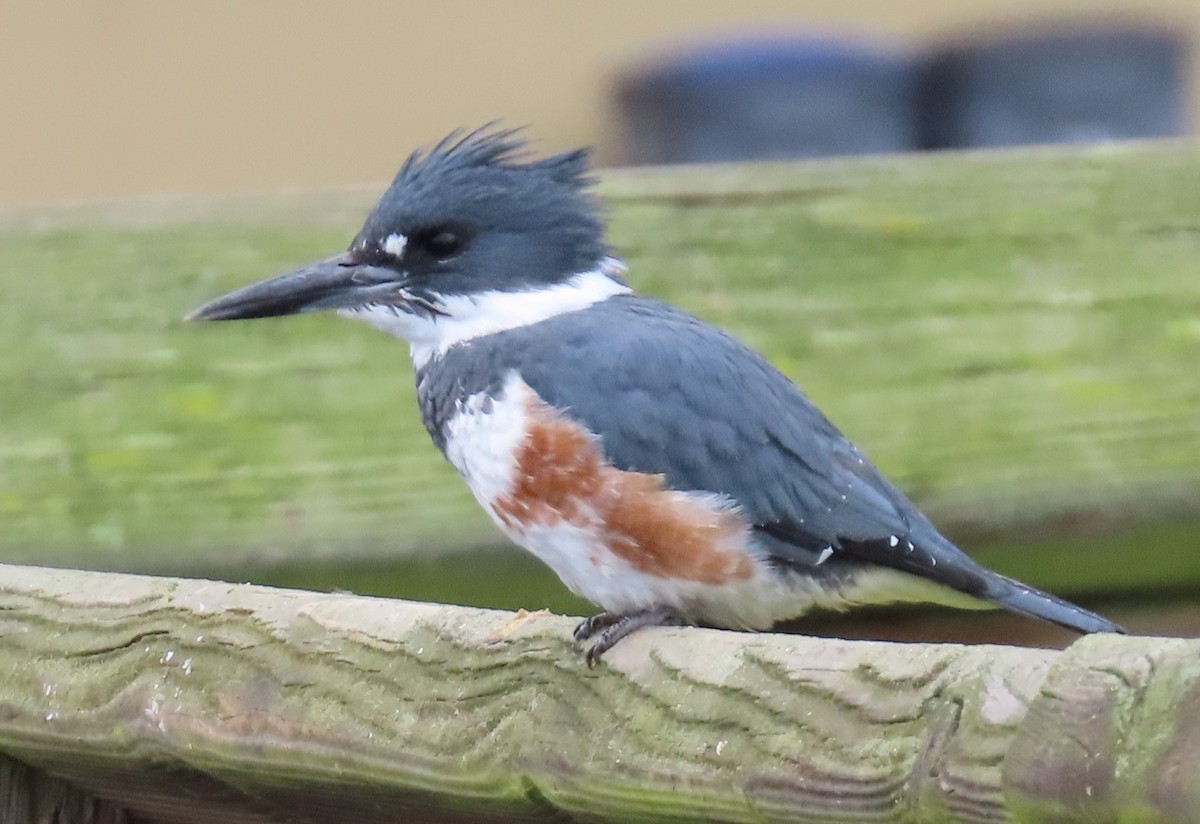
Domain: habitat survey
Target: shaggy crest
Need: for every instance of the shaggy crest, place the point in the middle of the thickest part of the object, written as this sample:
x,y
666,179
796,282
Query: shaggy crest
x,y
491,148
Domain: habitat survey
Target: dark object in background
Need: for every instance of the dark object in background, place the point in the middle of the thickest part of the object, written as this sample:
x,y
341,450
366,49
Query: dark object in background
x,y
767,99
1060,86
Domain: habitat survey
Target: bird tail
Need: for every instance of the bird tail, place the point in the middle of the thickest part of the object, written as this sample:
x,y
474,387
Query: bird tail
x,y
1026,600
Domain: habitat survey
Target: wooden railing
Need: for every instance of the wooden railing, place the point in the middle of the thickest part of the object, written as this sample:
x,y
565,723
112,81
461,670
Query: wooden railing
x,y
182,700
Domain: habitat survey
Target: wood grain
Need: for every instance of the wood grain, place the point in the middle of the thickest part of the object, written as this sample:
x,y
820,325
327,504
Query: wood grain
x,y
183,701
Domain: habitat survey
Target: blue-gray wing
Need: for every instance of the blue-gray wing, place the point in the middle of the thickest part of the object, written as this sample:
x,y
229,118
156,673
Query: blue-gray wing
x,y
669,394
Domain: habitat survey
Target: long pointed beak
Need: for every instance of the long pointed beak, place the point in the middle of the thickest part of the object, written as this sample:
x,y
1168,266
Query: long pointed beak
x,y
328,284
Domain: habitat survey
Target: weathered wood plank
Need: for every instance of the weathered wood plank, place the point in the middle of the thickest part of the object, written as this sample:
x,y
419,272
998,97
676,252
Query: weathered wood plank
x,y
1013,336
193,701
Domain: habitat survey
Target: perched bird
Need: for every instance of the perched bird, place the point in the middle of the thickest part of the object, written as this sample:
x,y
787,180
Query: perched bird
x,y
663,470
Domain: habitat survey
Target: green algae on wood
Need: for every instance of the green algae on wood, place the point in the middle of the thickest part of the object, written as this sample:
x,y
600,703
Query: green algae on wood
x,y
173,698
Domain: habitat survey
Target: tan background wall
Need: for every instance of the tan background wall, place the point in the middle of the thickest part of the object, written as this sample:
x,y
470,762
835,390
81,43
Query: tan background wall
x,y
118,98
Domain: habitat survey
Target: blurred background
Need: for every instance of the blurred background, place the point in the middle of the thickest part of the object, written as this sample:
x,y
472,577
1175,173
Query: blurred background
x,y
154,154
124,98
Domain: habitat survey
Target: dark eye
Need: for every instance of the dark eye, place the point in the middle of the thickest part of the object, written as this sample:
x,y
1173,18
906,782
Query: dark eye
x,y
445,243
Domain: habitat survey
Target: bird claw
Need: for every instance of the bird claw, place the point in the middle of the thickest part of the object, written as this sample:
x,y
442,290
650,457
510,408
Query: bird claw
x,y
608,628
593,624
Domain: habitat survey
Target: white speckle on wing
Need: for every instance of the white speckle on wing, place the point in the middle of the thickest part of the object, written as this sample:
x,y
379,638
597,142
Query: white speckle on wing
x,y
462,318
825,555
394,244
893,541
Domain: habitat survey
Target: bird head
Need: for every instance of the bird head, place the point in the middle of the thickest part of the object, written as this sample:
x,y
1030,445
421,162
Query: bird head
x,y
472,236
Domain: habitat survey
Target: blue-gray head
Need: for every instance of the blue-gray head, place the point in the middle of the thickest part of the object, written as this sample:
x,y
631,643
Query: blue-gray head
x,y
470,232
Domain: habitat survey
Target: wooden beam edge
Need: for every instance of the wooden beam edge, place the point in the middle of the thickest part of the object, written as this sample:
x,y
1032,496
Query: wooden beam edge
x,y
28,796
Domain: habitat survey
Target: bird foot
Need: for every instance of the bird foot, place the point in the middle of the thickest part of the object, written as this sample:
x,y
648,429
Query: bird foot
x,y
610,627
588,627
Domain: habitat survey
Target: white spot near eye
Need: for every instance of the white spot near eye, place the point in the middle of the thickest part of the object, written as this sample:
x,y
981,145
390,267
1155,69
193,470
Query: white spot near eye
x,y
394,244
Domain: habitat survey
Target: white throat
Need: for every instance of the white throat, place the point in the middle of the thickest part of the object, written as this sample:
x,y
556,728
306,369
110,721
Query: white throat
x,y
466,317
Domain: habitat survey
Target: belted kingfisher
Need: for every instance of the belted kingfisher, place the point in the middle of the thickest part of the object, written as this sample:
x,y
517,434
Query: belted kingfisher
x,y
664,471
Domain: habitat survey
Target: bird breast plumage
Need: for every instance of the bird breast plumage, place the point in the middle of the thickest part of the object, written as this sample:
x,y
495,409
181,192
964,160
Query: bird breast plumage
x,y
621,539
